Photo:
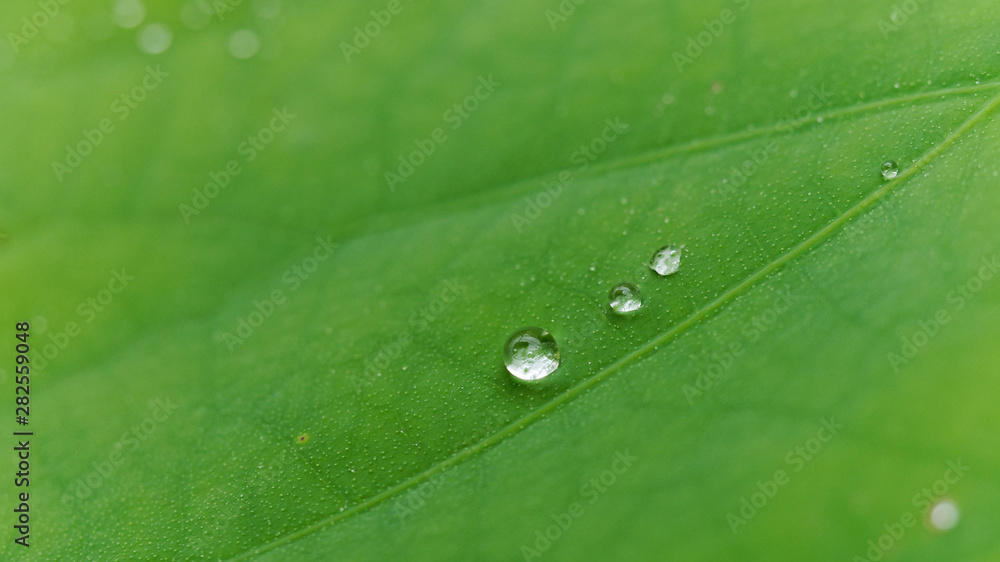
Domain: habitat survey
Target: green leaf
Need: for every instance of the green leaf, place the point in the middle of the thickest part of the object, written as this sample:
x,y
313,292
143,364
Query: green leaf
x,y
303,361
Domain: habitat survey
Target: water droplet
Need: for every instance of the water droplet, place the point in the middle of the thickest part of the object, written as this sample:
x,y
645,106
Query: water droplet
x,y
531,354
625,298
889,170
944,515
155,38
244,44
128,13
666,260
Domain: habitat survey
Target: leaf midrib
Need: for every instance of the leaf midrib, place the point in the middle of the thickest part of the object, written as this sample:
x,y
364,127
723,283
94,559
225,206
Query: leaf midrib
x,y
653,345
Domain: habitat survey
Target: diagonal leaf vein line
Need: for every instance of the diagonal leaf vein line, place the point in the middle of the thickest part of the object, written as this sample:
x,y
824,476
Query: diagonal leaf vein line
x,y
809,243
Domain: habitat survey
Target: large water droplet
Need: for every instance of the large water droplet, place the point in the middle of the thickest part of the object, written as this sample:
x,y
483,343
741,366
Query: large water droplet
x,y
625,298
244,44
531,354
944,515
155,38
889,170
666,260
128,13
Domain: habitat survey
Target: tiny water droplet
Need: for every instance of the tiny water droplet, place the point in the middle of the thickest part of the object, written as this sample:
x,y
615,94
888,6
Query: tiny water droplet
x,y
889,170
666,260
625,298
531,354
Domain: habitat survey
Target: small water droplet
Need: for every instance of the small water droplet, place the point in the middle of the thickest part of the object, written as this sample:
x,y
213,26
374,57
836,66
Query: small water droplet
x,y
128,13
944,515
666,260
531,354
243,44
625,298
889,170
155,38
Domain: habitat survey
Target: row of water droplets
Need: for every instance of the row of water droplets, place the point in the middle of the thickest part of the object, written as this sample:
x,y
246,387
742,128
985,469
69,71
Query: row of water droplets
x,y
531,353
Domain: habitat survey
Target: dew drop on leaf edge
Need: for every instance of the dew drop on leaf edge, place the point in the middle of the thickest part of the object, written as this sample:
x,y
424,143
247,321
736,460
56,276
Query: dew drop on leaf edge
x,y
625,298
531,354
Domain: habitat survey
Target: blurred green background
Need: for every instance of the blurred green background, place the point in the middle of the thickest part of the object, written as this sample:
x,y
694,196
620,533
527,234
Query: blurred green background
x,y
249,341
